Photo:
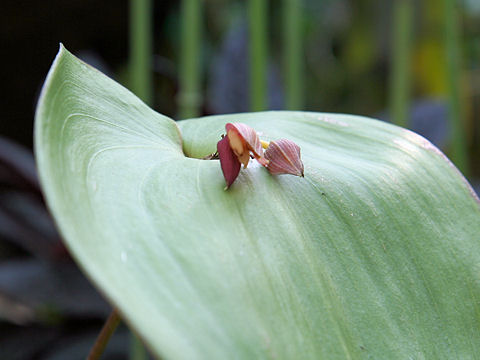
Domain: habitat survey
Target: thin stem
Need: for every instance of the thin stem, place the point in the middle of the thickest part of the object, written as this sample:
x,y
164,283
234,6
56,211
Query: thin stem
x,y
257,14
400,76
293,54
189,98
141,49
459,152
105,334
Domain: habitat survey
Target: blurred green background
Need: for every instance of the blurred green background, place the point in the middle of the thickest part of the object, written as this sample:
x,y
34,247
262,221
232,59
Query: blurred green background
x,y
413,63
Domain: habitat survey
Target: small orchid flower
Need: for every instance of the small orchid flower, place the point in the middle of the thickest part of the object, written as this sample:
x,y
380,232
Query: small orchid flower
x,y
242,142
236,148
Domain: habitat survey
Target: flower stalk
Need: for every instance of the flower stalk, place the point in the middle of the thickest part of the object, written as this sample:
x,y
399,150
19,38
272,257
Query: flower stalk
x,y
105,334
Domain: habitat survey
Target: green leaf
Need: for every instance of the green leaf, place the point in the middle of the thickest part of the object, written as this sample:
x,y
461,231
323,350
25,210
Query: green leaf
x,y
374,254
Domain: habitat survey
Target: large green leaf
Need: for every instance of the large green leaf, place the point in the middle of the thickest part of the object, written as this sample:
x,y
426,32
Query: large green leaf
x,y
374,254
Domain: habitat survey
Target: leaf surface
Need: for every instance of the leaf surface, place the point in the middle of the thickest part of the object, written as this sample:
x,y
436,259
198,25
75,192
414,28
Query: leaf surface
x,y
374,254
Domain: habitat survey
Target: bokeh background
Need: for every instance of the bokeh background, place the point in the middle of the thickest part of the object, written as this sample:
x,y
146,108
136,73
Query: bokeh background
x,y
413,63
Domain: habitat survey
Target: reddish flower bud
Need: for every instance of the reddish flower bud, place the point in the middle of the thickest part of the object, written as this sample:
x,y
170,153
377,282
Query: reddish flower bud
x,y
228,161
284,158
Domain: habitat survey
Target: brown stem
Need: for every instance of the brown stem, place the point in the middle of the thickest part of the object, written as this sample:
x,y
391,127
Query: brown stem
x,y
105,334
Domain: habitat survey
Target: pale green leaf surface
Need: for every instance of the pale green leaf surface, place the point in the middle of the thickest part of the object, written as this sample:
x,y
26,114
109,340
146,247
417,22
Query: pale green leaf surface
x,y
374,254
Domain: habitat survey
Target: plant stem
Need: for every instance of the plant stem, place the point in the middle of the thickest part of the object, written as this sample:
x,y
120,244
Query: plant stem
x,y
257,14
105,334
141,49
400,75
459,152
189,98
293,54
